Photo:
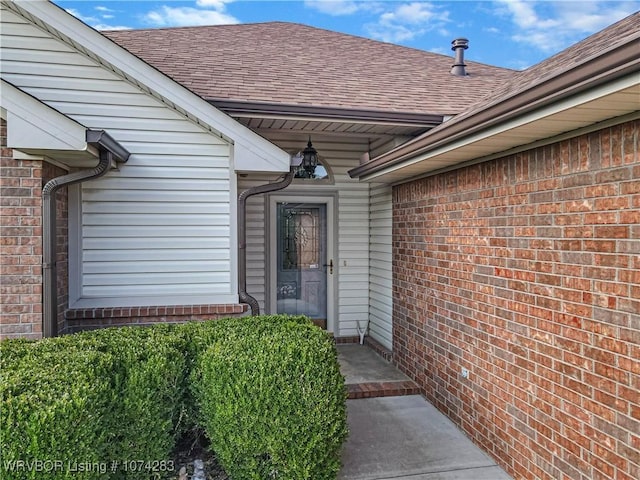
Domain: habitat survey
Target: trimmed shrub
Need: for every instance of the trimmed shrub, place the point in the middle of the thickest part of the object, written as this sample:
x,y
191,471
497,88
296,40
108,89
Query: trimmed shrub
x,y
198,336
107,395
272,396
272,399
150,385
55,410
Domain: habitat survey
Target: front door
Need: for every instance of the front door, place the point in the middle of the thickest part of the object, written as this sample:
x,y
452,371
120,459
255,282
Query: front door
x,y
302,264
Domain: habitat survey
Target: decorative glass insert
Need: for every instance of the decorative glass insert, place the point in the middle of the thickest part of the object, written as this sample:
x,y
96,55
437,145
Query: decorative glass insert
x,y
301,259
300,238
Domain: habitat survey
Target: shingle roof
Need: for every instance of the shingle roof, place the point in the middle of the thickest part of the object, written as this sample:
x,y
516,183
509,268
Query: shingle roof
x,y
602,58
286,63
620,33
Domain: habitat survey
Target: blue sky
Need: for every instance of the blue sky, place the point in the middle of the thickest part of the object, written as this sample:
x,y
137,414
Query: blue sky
x,y
508,33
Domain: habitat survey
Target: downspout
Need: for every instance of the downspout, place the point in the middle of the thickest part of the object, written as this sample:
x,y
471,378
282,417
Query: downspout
x,y
243,296
109,150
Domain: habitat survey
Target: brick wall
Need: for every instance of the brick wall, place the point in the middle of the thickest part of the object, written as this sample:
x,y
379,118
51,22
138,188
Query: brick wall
x,y
21,183
21,244
92,318
526,272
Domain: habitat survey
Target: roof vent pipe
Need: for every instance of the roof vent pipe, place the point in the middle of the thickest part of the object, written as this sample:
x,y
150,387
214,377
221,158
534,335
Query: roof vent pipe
x,y
459,45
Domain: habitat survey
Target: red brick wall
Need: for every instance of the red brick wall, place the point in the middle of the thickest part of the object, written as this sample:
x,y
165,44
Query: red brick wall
x,y
21,183
21,244
526,271
92,318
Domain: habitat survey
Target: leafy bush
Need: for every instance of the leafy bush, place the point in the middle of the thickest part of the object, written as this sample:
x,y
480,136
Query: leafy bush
x,y
272,399
148,388
55,408
272,396
198,336
101,396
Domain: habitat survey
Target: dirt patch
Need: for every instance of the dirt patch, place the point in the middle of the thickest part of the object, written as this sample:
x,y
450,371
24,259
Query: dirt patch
x,y
192,447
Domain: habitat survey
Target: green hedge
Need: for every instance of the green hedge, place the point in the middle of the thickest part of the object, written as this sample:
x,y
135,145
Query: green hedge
x,y
272,400
198,336
55,408
124,394
88,399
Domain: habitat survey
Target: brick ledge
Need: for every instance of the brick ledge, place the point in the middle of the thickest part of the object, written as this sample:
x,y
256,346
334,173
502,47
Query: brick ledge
x,y
382,389
156,311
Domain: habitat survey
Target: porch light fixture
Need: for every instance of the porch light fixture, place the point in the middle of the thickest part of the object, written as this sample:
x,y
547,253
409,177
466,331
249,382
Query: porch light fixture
x,y
309,160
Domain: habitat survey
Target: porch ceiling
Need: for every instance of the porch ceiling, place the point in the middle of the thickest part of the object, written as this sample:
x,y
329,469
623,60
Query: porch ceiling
x,y
345,128
373,125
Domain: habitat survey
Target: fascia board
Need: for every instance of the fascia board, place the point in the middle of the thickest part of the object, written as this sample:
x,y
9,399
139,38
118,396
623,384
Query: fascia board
x,y
136,69
526,119
245,161
33,125
618,61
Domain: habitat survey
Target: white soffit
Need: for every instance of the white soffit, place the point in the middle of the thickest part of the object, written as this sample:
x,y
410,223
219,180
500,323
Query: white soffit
x,y
254,152
37,129
605,102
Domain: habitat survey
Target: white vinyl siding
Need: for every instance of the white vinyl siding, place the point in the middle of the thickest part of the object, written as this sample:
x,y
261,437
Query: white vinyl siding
x,y
158,231
352,212
380,271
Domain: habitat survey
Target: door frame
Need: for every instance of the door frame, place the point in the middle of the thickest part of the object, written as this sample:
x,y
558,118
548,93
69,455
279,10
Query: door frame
x,y
330,200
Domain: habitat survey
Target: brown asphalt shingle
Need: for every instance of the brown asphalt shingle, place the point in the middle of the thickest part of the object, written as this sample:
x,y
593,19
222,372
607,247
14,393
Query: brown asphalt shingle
x,y
622,32
535,81
293,64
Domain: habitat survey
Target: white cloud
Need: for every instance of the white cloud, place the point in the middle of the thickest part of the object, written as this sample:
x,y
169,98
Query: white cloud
x,y
102,8
440,50
85,18
392,33
167,16
408,21
410,13
524,15
215,4
105,26
335,7
96,22
552,26
396,21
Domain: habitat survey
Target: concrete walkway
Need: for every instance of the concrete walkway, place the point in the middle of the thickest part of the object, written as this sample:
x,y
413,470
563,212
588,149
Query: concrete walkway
x,y
360,364
403,437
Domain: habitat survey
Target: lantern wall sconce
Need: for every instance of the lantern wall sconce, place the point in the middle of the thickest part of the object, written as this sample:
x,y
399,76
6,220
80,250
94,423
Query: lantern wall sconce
x,y
309,161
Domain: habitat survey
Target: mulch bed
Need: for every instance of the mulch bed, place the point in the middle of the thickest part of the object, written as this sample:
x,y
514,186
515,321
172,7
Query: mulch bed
x,y
190,448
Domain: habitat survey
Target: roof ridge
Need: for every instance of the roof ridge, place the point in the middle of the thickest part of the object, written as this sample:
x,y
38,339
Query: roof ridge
x,y
536,74
616,40
294,63
606,61
304,25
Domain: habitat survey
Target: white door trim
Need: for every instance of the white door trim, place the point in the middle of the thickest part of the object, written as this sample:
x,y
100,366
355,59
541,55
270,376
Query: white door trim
x,y
330,201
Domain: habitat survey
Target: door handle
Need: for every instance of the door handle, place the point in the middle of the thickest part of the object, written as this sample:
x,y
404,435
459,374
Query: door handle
x,y
330,265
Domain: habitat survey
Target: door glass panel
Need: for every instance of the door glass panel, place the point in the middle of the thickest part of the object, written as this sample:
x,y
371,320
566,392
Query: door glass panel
x,y
302,259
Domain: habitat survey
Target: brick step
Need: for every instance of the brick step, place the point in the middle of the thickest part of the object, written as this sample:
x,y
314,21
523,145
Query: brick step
x,y
381,389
